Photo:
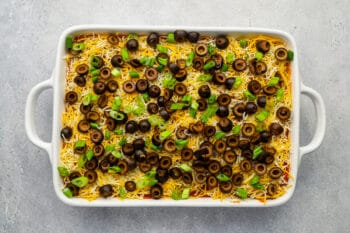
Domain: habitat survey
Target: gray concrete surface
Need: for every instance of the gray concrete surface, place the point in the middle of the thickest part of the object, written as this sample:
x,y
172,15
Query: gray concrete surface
x,y
29,32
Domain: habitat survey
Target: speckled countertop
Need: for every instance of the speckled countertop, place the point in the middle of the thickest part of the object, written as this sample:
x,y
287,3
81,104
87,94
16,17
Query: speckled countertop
x,y
29,32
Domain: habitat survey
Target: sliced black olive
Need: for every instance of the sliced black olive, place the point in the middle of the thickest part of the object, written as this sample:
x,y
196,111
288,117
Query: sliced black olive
x,y
238,110
151,74
73,188
219,78
102,101
187,178
239,64
83,126
91,164
173,67
281,54
248,129
181,133
196,127
104,165
237,179
99,87
85,108
145,167
212,182
265,136
261,101
260,169
131,126
71,97
123,164
152,158
230,156
140,156
165,162
164,114
153,39
128,149
257,67
209,130
152,108
214,167
175,173
169,145
250,108
204,91
161,101
105,73
225,187
199,166
139,143
220,146
130,186
226,170
162,175
135,63
91,175
244,144
256,138
263,46
232,141
142,85
283,113
96,136
221,42
181,75
156,191
97,61
224,100
201,50
112,86
93,116
106,190
254,87
98,150
180,89
202,104
219,60
276,128
154,91
269,90
180,35
117,61
80,81
272,189
112,159
245,165
74,175
82,69
168,93
275,172
132,45
122,121
225,124
204,153
229,83
113,39
156,140
200,177
187,154
129,86
131,163
198,63
193,37
66,132
168,106
247,153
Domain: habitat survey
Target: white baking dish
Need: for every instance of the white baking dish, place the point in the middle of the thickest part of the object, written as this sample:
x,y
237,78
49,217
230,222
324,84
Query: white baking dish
x,y
56,82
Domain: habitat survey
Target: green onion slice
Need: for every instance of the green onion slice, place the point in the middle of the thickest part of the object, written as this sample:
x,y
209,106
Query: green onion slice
x,y
80,181
63,171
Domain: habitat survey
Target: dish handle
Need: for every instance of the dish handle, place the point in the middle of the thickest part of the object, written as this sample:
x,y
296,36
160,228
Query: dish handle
x,y
320,120
29,115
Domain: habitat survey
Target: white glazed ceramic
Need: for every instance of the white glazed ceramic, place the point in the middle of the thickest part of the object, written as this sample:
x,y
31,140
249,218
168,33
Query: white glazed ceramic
x,y
56,82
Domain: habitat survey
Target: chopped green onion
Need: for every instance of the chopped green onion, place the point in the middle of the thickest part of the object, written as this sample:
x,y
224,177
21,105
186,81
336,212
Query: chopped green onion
x,y
204,77
186,193
189,59
116,72
95,72
160,68
257,151
89,98
290,56
194,105
186,98
262,115
249,95
69,42
80,144
95,125
273,81
209,65
141,107
279,94
122,141
236,130
134,74
181,143
243,43
193,112
122,193
169,82
219,135
82,160
154,147
94,79
67,192
164,135
147,61
118,131
116,115
260,127
155,120
152,182
80,181
114,169
254,182
89,154
146,97
230,58
162,61
212,99
78,46
151,173
238,82
117,154
110,148
142,183
117,103
171,38
224,68
63,171
132,36
222,177
176,106
208,113
94,61
259,56
162,49
185,167
211,49
176,194
242,193
125,54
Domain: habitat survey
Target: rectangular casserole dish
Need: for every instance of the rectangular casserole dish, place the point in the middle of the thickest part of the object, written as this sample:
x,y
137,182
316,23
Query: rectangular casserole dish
x,y
56,82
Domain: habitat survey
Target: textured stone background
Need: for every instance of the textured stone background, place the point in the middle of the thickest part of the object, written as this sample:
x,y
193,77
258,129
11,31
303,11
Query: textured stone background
x,y
29,32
